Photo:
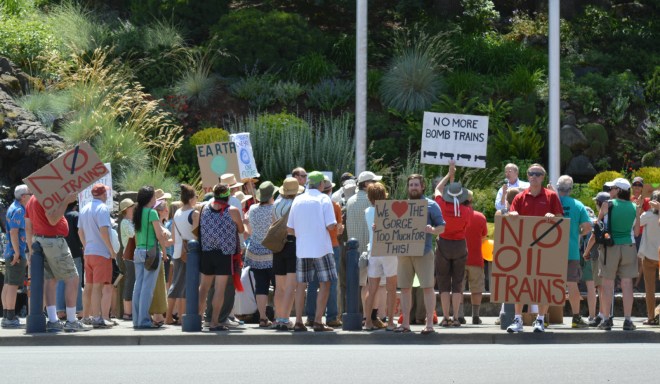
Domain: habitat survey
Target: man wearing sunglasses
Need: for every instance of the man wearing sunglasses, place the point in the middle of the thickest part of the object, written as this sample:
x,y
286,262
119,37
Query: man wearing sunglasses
x,y
534,201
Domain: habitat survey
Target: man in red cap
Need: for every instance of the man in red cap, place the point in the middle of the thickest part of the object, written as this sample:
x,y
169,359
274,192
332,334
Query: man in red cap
x,y
94,228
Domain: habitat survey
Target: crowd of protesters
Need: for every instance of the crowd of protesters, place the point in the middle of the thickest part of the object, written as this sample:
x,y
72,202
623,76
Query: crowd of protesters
x,y
114,251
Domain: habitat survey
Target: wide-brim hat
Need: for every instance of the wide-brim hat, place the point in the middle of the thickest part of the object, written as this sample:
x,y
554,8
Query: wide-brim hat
x,y
125,204
368,176
242,197
160,194
290,186
229,180
455,192
266,191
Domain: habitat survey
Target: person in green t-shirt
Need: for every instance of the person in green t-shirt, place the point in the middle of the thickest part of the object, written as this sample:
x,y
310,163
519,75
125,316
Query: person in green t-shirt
x,y
148,231
621,258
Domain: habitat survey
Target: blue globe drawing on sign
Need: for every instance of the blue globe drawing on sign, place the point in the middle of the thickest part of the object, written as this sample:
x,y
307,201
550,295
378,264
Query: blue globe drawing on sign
x,y
245,156
219,165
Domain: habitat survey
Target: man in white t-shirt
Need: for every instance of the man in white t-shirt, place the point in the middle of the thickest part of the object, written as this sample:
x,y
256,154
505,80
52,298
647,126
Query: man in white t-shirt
x,y
310,218
94,228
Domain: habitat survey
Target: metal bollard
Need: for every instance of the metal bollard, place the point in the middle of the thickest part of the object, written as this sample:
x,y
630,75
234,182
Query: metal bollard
x,y
507,316
192,321
36,321
352,318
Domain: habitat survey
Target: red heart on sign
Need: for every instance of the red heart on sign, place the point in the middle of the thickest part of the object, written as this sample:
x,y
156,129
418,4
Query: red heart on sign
x,y
399,208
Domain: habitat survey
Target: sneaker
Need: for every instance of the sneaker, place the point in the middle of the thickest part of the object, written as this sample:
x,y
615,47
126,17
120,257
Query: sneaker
x,y
498,321
605,325
76,326
230,323
628,325
476,320
54,326
101,323
578,322
539,326
461,320
86,320
516,326
14,323
595,321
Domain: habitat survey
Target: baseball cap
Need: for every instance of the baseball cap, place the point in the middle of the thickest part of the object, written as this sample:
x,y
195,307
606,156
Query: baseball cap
x,y
368,176
315,177
602,197
620,183
638,182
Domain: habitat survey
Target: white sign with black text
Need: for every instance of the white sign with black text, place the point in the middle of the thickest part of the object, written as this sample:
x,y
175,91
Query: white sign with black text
x,y
462,138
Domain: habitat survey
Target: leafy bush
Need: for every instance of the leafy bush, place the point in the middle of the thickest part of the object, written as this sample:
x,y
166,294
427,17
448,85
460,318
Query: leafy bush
x,y
311,68
208,136
24,40
468,83
286,92
268,40
601,178
410,84
256,88
277,123
522,142
651,175
478,15
523,82
195,17
484,201
331,94
652,87
586,97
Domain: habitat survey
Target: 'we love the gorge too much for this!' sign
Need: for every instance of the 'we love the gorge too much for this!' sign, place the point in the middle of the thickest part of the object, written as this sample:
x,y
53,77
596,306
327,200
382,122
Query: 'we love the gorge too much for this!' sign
x,y
399,227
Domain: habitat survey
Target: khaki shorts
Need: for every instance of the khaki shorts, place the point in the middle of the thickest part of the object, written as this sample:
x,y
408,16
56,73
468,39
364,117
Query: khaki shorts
x,y
423,266
476,278
621,260
58,262
573,271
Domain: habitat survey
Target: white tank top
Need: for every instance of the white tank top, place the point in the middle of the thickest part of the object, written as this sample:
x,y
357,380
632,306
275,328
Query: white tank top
x,y
183,230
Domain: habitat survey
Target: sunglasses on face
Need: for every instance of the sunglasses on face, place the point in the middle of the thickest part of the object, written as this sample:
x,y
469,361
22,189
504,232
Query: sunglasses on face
x,y
535,174
301,175
638,185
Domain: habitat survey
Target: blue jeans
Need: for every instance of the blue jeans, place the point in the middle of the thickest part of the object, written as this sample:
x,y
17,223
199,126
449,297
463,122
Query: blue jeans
x,y
312,293
60,304
143,292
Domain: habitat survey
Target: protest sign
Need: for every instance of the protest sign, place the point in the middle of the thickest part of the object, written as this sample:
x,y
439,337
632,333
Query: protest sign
x,y
215,160
71,172
246,164
530,260
462,138
85,196
400,227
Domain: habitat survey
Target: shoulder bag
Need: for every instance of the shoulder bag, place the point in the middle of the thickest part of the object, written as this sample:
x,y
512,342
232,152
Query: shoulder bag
x,y
276,236
152,260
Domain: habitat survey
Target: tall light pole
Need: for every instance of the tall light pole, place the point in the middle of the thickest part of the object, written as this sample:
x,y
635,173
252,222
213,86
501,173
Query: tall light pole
x,y
361,88
553,94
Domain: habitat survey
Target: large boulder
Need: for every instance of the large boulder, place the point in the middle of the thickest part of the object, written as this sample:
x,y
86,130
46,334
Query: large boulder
x,y
573,138
581,169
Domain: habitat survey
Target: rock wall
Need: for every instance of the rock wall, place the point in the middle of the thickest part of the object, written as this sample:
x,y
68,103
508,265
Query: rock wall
x,y
25,145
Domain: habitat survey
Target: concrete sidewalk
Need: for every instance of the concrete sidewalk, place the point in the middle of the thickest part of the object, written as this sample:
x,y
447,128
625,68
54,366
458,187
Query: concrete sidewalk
x,y
251,334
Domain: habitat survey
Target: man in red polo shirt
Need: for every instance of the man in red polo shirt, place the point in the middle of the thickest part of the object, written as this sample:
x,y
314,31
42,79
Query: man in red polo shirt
x,y
534,201
451,252
50,230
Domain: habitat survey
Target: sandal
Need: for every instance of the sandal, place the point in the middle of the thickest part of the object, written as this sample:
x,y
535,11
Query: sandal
x,y
218,328
401,329
653,321
373,328
299,327
456,323
427,331
320,327
265,323
445,322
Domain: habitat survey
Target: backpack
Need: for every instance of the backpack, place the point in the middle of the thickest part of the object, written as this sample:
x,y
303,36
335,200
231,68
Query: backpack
x,y
276,236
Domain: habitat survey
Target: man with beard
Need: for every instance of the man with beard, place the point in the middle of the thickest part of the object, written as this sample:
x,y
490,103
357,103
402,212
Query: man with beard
x,y
422,265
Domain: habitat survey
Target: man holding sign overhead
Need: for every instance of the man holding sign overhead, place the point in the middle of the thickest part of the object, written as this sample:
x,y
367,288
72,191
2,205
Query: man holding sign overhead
x,y
534,201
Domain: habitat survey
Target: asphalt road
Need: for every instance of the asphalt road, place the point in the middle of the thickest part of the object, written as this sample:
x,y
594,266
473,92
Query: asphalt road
x,y
581,363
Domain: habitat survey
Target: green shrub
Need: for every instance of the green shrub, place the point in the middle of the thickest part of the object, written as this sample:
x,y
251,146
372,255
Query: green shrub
x,y
484,201
585,96
24,40
208,136
585,194
490,54
523,82
467,83
522,142
410,84
268,40
256,88
195,17
601,178
652,87
342,52
46,106
286,92
651,175
523,109
311,68
478,15
331,94
374,80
